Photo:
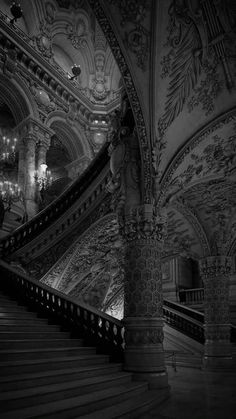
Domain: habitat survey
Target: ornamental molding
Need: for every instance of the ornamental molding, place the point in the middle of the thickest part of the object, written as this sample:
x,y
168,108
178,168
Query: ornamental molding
x,y
145,224
30,127
133,97
189,145
215,266
136,36
46,73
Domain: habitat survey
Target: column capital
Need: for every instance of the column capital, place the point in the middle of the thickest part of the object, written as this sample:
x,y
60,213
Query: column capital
x,y
144,223
215,266
31,127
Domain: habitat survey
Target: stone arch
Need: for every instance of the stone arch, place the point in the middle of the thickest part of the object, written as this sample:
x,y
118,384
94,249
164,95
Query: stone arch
x,y
18,98
142,131
72,137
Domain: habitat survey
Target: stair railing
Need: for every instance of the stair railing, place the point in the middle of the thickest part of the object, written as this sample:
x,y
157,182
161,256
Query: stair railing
x,y
184,319
193,296
30,230
96,327
188,321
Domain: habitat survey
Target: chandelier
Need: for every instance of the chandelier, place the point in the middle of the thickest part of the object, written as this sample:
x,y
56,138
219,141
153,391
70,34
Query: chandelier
x,y
8,149
9,193
43,177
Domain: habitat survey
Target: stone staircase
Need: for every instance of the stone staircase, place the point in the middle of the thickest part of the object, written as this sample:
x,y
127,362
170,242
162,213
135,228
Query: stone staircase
x,y
44,373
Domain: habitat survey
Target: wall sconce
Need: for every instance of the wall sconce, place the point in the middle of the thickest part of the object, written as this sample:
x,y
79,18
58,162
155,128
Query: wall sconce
x,y
16,12
76,70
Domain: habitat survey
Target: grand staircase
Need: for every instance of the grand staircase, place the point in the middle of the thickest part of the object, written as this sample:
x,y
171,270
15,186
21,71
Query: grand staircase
x,y
46,373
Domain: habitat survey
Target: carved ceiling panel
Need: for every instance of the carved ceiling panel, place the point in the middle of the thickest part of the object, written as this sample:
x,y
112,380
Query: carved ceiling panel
x,y
211,155
215,205
181,238
196,73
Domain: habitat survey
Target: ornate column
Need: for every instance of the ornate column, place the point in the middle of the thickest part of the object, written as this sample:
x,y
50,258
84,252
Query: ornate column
x,y
21,165
42,152
215,272
143,231
30,151
31,132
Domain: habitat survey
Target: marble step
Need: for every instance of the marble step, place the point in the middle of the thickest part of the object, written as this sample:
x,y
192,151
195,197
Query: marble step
x,y
41,353
14,344
35,365
22,380
72,407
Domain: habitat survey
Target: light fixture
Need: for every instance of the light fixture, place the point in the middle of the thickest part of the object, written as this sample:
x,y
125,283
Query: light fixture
x,y
9,192
43,177
76,70
16,12
8,148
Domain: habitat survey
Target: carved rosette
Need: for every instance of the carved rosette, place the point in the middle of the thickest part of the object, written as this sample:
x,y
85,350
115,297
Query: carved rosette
x,y
215,271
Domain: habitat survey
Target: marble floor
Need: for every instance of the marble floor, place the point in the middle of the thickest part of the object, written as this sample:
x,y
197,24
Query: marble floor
x,y
197,394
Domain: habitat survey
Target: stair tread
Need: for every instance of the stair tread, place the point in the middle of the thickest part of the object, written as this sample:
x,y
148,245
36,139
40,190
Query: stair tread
x,y
42,389
63,371
45,340
35,350
70,403
127,406
43,360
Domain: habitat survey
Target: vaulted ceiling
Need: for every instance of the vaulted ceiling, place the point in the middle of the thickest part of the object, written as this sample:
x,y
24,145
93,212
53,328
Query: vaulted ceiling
x,y
176,59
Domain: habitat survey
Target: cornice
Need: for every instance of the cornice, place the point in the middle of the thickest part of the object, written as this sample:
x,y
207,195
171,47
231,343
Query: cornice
x,y
52,79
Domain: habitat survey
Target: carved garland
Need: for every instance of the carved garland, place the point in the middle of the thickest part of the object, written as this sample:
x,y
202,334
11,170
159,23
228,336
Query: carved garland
x,y
193,142
133,96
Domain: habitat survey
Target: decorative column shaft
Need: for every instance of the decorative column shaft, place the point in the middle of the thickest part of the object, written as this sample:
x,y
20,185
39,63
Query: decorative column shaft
x,y
42,152
21,166
215,271
30,145
144,355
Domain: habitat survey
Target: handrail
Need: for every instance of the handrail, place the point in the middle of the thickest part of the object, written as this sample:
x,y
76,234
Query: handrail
x,y
194,314
192,295
96,327
27,232
187,321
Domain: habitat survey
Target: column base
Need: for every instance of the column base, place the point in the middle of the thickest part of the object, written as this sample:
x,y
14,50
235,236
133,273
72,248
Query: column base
x,y
154,380
217,363
144,354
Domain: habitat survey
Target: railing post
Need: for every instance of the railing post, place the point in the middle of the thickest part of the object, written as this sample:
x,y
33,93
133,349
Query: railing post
x,y
215,271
